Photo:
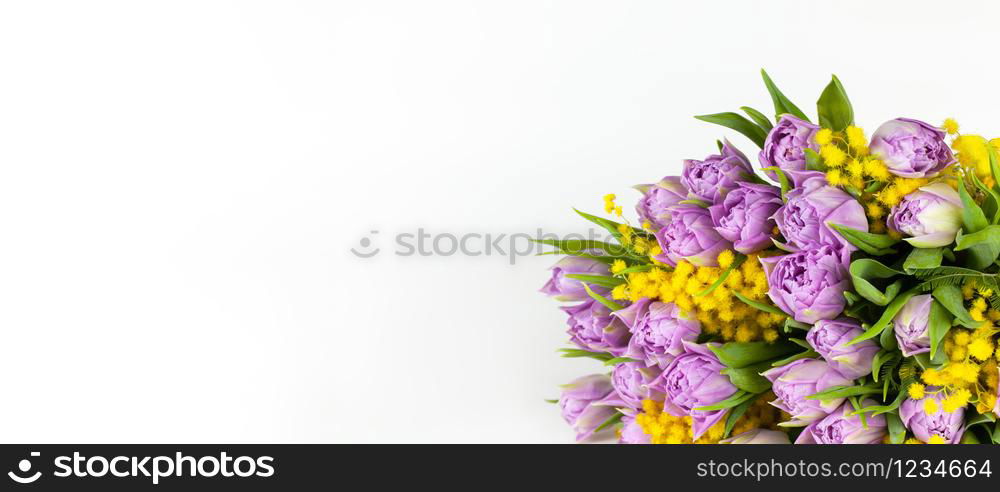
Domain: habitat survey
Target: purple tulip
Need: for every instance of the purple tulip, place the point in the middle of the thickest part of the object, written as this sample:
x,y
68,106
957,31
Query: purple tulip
x,y
786,143
931,216
810,284
592,327
840,427
581,404
949,425
812,206
658,198
631,380
690,235
744,216
632,433
830,339
713,177
911,148
911,325
694,379
659,330
564,288
793,382
758,436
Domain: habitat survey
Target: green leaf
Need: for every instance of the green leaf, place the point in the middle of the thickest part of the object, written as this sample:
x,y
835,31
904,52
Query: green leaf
x,y
608,303
738,355
758,118
808,354
758,305
740,258
888,339
737,122
950,297
551,401
843,392
781,103
923,259
973,219
938,325
734,415
612,420
897,432
994,166
597,279
991,202
864,270
885,360
734,400
786,184
608,225
887,315
581,246
835,111
748,378
694,201
983,246
575,353
873,244
618,360
813,161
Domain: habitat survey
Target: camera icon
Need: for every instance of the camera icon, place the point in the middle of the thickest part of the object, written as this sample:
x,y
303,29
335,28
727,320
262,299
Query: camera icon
x,y
25,466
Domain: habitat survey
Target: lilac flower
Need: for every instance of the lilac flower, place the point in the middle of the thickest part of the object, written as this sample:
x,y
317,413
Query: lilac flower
x,y
931,216
563,288
911,325
632,433
809,285
713,177
690,235
840,427
658,331
658,198
830,339
911,148
793,382
812,205
786,143
948,425
745,216
592,327
581,404
693,380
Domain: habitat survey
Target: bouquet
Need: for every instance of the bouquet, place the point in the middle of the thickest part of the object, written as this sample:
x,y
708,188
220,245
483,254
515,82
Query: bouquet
x,y
842,291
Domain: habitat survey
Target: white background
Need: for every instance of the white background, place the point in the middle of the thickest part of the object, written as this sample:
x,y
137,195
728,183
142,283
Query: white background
x,y
181,184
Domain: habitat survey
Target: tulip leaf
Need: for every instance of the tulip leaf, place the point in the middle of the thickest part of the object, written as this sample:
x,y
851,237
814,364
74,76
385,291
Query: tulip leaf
x,y
938,324
612,420
758,305
738,355
608,303
873,244
923,259
843,392
609,225
808,354
991,202
786,184
619,360
693,201
813,160
758,118
983,246
601,280
737,122
734,415
834,108
887,315
864,270
578,247
950,297
574,353
897,432
740,258
748,378
739,397
781,103
973,218
994,167
888,339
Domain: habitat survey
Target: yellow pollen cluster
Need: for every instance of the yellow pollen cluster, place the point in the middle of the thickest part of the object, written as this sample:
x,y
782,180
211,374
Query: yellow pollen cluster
x,y
664,428
973,155
719,312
